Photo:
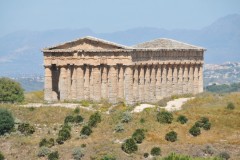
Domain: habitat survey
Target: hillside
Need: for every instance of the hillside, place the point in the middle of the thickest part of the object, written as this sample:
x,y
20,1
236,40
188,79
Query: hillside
x,y
222,137
20,51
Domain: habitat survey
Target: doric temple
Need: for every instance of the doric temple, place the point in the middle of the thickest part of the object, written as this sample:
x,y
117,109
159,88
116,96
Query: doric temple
x,y
93,69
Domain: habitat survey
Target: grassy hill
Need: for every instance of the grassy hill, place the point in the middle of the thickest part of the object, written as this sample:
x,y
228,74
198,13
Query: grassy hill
x,y
223,135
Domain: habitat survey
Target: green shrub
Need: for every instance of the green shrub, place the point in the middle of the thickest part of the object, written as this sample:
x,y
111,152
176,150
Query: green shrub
x,y
119,127
138,136
86,130
78,119
43,151
182,119
171,136
6,121
129,146
69,119
83,145
145,155
53,156
207,126
10,91
164,117
77,153
200,123
26,128
126,117
195,131
76,110
65,134
174,156
230,106
224,155
1,156
47,143
108,157
209,150
94,119
60,140
155,151
66,127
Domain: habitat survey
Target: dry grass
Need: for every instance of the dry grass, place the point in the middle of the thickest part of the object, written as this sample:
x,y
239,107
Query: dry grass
x,y
224,134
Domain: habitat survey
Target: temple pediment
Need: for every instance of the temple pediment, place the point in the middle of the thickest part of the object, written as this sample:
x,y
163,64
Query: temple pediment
x,y
88,43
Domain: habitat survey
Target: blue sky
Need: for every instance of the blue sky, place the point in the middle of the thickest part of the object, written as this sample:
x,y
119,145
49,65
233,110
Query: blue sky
x,y
111,15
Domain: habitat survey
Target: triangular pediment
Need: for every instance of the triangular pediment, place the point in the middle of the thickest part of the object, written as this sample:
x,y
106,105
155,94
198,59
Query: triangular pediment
x,y
88,43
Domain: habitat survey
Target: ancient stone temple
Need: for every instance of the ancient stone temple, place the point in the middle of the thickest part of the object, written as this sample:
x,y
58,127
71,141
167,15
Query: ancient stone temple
x,y
95,69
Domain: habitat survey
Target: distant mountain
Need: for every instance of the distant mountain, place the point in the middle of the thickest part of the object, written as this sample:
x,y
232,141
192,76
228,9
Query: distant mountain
x,y
20,51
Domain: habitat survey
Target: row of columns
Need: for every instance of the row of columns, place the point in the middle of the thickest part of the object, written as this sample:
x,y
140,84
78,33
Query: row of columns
x,y
145,83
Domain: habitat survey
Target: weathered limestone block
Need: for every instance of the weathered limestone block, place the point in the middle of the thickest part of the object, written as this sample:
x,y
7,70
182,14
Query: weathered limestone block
x,y
180,80
128,83
96,83
164,82
175,80
152,91
63,83
112,84
200,78
141,91
195,80
74,84
120,83
80,83
190,82
68,83
86,83
185,79
104,82
135,84
158,82
147,84
169,80
48,84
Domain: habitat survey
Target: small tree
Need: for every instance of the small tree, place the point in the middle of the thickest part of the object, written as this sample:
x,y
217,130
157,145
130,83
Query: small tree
x,y
69,119
195,131
129,146
155,151
10,91
230,106
86,130
224,155
207,126
26,129
182,119
138,136
94,119
53,156
171,136
164,117
78,119
6,121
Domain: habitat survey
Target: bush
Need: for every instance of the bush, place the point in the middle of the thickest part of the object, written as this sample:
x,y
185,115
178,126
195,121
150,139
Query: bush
x,y
126,117
1,156
108,157
47,143
78,153
10,91
43,151
6,121
195,131
209,150
76,110
94,119
224,155
119,127
78,119
138,136
85,103
200,123
60,140
53,156
207,126
26,128
86,130
171,136
164,117
230,106
182,119
64,134
155,151
69,119
145,155
129,146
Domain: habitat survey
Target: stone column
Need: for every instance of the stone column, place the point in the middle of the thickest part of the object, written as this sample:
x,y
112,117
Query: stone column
x,y
80,82
69,79
128,84
158,82
152,91
86,83
96,83
63,83
135,84
120,83
48,84
185,79
112,84
104,82
175,80
200,78
147,84
190,82
195,79
141,92
180,80
169,80
74,84
91,79
164,82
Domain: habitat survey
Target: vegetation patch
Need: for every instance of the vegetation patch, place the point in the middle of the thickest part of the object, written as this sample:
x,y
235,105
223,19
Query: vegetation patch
x,y
6,121
129,146
156,151
171,136
26,128
138,135
165,117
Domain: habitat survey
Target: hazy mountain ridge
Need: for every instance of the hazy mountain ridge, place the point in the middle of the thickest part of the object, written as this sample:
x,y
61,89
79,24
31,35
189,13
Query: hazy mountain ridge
x,y
20,51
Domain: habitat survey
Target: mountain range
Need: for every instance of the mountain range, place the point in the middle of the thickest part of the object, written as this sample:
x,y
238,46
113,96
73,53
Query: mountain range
x,y
20,52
